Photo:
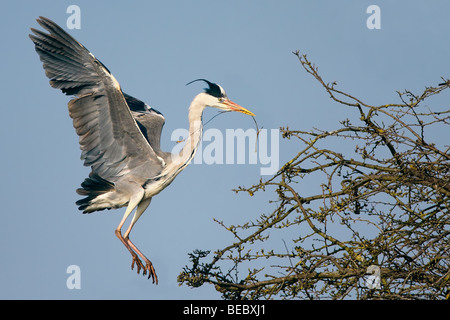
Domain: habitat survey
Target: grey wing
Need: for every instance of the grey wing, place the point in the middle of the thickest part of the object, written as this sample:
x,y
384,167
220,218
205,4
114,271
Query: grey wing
x,y
149,120
110,139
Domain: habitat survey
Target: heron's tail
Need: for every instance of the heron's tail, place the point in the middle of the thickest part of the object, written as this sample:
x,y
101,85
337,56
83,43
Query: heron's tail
x,y
92,187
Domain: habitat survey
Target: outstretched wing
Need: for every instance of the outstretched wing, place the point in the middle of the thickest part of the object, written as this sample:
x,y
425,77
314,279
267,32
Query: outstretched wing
x,y
110,139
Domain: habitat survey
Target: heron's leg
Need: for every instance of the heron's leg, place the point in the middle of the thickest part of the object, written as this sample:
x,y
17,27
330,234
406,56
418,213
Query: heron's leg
x,y
133,203
143,205
122,239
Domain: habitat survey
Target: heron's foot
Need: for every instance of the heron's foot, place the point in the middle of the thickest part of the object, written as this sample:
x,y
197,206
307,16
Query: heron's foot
x,y
147,268
151,271
138,263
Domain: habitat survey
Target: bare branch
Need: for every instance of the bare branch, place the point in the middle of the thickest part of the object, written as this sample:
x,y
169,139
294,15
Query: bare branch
x,y
385,206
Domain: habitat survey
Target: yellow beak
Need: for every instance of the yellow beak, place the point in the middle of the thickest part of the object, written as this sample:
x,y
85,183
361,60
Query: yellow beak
x,y
235,107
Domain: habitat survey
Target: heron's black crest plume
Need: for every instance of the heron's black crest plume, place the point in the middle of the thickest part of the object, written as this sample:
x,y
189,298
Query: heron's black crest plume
x,y
213,89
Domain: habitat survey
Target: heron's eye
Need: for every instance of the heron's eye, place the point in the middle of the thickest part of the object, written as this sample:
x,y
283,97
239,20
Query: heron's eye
x,y
221,100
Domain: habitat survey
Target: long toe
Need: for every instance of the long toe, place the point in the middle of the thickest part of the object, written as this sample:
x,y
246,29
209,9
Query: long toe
x,y
139,264
151,272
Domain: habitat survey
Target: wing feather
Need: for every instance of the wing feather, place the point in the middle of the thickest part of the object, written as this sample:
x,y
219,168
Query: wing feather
x,y
150,121
110,138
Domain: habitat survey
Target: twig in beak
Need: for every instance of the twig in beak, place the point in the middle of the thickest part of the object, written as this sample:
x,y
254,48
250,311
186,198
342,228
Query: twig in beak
x,y
257,133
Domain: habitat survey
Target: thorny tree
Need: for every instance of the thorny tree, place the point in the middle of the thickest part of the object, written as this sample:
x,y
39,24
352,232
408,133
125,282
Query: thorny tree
x,y
377,227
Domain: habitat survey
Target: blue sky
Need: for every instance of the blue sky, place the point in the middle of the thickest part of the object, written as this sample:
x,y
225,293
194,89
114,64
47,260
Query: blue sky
x,y
154,48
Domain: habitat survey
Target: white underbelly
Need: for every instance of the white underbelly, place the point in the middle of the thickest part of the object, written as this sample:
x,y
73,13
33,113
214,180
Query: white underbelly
x,y
155,187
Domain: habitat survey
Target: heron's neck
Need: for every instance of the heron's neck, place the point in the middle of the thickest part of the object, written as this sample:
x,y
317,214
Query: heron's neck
x,y
195,131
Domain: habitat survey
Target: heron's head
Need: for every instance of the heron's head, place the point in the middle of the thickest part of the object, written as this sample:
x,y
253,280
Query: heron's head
x,y
216,97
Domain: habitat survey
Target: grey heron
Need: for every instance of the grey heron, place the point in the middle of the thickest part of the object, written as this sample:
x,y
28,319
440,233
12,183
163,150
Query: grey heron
x,y
119,135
